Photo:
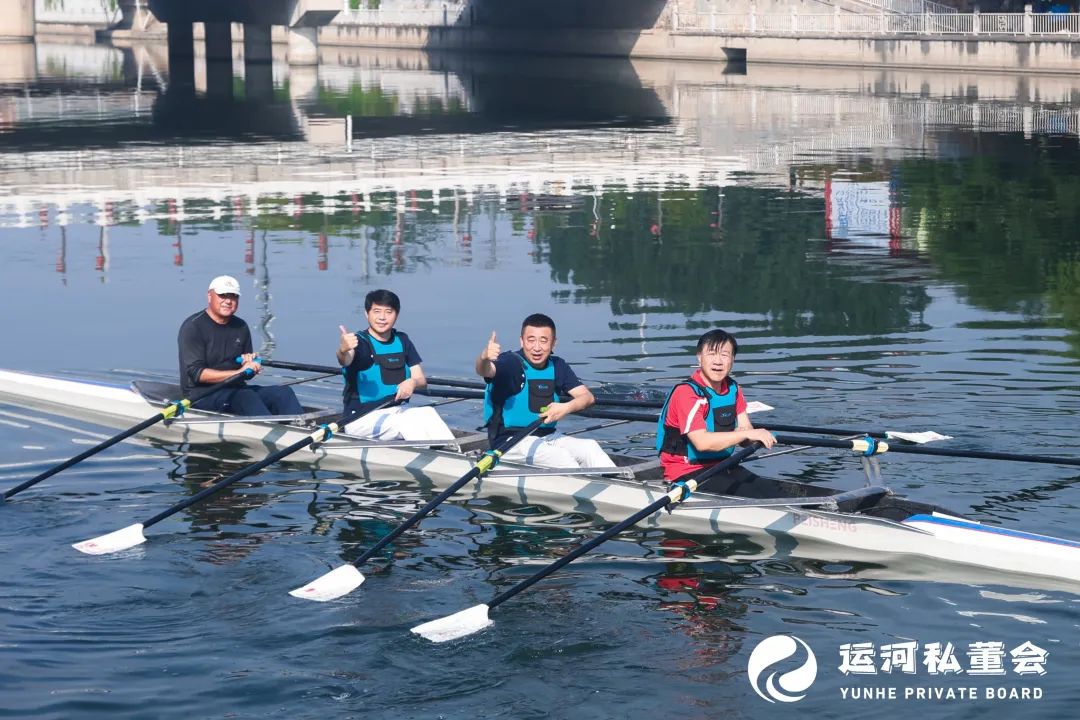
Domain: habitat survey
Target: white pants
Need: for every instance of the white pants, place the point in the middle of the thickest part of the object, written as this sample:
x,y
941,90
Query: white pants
x,y
559,451
401,423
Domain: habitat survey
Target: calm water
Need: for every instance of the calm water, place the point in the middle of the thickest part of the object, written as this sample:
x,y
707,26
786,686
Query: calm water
x,y
893,250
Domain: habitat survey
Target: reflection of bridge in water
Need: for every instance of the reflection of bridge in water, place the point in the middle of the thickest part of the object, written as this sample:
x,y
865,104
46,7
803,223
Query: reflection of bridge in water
x,y
817,128
728,129
110,186
738,134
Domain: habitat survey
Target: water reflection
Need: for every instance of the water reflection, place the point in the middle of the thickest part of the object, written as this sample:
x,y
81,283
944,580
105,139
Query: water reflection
x,y
782,225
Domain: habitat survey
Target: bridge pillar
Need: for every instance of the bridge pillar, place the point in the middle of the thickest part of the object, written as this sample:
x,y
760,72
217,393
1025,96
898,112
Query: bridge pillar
x,y
259,82
218,41
258,70
17,20
257,45
219,69
181,41
303,45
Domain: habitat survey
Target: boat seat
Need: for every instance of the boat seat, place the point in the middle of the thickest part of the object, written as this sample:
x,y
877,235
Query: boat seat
x,y
860,499
645,470
157,392
470,441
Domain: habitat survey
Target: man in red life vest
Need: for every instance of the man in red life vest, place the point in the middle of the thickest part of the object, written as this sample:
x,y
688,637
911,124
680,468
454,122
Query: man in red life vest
x,y
705,417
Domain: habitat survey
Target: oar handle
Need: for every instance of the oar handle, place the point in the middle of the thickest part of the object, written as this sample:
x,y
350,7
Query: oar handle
x,y
240,358
486,463
676,495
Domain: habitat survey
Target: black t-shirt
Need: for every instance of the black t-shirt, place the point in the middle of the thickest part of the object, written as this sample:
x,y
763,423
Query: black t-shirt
x,y
204,344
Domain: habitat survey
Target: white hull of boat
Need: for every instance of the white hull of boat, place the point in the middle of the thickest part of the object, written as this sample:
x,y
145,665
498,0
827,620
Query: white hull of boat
x,y
933,537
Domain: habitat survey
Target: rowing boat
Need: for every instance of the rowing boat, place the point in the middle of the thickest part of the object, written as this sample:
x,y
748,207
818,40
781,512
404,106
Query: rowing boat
x,y
816,521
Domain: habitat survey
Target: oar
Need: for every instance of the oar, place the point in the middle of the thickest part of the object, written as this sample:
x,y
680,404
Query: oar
x,y
301,367
173,409
603,413
601,398
469,390
330,370
870,446
132,535
466,622
346,578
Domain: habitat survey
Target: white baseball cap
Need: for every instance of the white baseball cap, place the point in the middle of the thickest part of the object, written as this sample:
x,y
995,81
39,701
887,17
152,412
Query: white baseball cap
x,y
225,285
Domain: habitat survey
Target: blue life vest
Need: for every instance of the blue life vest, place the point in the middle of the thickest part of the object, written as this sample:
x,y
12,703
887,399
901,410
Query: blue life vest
x,y
721,417
387,370
523,407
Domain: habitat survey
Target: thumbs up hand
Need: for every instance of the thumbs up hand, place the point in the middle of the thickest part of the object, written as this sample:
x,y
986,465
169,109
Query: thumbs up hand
x,y
349,341
491,352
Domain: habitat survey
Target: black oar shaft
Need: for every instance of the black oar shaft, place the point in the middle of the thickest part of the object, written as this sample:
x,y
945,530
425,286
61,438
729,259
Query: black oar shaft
x,y
165,414
879,434
447,382
301,367
420,515
614,530
473,391
239,475
593,412
984,455
481,468
85,454
859,446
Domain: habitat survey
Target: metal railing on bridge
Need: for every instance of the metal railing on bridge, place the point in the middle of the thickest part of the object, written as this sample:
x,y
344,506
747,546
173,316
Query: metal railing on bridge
x,y
1059,26
905,7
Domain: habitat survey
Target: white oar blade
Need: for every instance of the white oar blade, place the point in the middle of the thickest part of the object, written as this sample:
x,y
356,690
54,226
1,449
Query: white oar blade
x,y
754,406
920,438
116,541
339,581
455,626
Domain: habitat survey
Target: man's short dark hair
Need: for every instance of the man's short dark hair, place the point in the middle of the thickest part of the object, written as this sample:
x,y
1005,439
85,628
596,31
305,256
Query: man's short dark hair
x,y
538,320
382,297
716,339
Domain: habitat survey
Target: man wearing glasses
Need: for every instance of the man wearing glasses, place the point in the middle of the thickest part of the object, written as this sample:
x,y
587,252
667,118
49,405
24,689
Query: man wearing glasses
x,y
210,342
704,417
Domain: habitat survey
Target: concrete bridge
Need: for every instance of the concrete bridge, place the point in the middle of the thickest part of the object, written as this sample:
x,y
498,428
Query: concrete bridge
x,y
896,33
301,18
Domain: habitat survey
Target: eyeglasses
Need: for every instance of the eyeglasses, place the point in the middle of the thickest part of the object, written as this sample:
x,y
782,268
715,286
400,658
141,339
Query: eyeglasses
x,y
228,296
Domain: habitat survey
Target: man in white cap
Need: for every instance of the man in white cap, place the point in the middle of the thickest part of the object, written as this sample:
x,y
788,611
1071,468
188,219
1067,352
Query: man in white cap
x,y
210,342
